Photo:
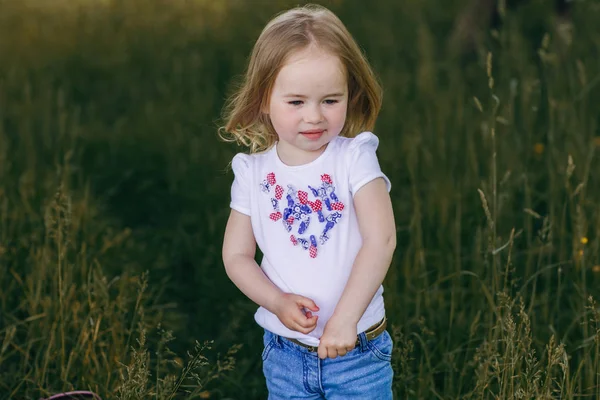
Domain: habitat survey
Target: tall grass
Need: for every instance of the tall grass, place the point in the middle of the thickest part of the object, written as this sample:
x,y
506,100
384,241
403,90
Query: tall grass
x,y
114,195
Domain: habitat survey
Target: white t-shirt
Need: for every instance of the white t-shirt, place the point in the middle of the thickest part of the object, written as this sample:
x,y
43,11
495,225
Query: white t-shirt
x,y
304,223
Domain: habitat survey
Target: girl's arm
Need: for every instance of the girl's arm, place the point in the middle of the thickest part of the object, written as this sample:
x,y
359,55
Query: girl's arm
x,y
239,249
378,230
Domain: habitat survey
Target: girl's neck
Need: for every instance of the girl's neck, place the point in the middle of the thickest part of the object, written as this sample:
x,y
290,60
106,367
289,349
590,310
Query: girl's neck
x,y
295,157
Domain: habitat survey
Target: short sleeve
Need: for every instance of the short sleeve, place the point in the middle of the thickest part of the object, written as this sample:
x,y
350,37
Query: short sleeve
x,y
363,163
240,189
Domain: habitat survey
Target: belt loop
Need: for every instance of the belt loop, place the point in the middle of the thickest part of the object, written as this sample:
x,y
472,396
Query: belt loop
x,y
278,340
362,338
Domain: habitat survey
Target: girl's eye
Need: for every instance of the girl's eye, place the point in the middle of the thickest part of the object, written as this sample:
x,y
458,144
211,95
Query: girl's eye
x,y
295,102
330,101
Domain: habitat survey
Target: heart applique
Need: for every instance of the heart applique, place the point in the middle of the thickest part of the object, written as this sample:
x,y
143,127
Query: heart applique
x,y
302,197
298,211
316,205
278,192
276,216
326,179
337,206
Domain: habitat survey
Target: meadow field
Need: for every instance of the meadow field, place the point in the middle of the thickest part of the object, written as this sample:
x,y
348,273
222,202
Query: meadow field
x,y
114,193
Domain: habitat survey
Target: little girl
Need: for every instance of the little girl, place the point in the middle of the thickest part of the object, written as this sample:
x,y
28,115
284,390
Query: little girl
x,y
312,196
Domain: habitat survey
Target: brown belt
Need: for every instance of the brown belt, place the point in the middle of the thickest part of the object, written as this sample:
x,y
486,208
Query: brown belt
x,y
371,333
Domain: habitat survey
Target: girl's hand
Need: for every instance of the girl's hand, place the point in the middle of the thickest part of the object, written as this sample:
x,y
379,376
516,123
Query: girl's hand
x,y
290,309
339,337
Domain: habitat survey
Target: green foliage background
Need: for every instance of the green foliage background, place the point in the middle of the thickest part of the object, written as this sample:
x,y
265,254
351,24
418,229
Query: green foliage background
x,y
110,166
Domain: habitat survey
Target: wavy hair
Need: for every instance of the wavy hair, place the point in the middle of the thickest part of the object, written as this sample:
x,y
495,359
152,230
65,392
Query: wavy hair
x,y
290,31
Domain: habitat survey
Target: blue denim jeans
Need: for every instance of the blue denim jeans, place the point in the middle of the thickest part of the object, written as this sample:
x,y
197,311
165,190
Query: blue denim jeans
x,y
294,372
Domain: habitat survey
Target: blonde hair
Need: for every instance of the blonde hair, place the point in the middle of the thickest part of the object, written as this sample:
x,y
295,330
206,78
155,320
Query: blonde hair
x,y
293,30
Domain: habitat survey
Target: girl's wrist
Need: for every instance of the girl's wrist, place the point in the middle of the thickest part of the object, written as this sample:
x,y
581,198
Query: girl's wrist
x,y
273,301
345,317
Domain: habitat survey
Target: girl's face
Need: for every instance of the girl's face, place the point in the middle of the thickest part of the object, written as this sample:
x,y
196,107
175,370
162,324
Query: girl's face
x,y
308,104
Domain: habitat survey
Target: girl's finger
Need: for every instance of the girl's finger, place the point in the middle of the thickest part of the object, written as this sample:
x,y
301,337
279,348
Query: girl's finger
x,y
332,352
307,303
308,322
322,352
302,329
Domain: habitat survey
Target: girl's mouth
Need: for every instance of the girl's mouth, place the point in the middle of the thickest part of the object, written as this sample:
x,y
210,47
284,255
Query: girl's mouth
x,y
313,134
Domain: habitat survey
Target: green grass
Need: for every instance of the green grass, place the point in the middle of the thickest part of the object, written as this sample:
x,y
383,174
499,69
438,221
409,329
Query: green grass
x,y
110,166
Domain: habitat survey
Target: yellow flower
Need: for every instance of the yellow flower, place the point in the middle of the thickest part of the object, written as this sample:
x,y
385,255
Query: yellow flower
x,y
596,268
584,240
538,148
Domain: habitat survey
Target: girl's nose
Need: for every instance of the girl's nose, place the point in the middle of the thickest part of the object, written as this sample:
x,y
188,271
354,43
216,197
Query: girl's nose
x,y
313,115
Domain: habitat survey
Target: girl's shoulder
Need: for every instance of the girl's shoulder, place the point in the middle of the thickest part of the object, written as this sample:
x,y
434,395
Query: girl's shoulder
x,y
363,141
241,159
244,164
247,160
241,163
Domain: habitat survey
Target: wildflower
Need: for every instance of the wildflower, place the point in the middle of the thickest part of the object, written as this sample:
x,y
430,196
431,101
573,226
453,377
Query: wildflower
x,y
584,240
596,268
538,148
